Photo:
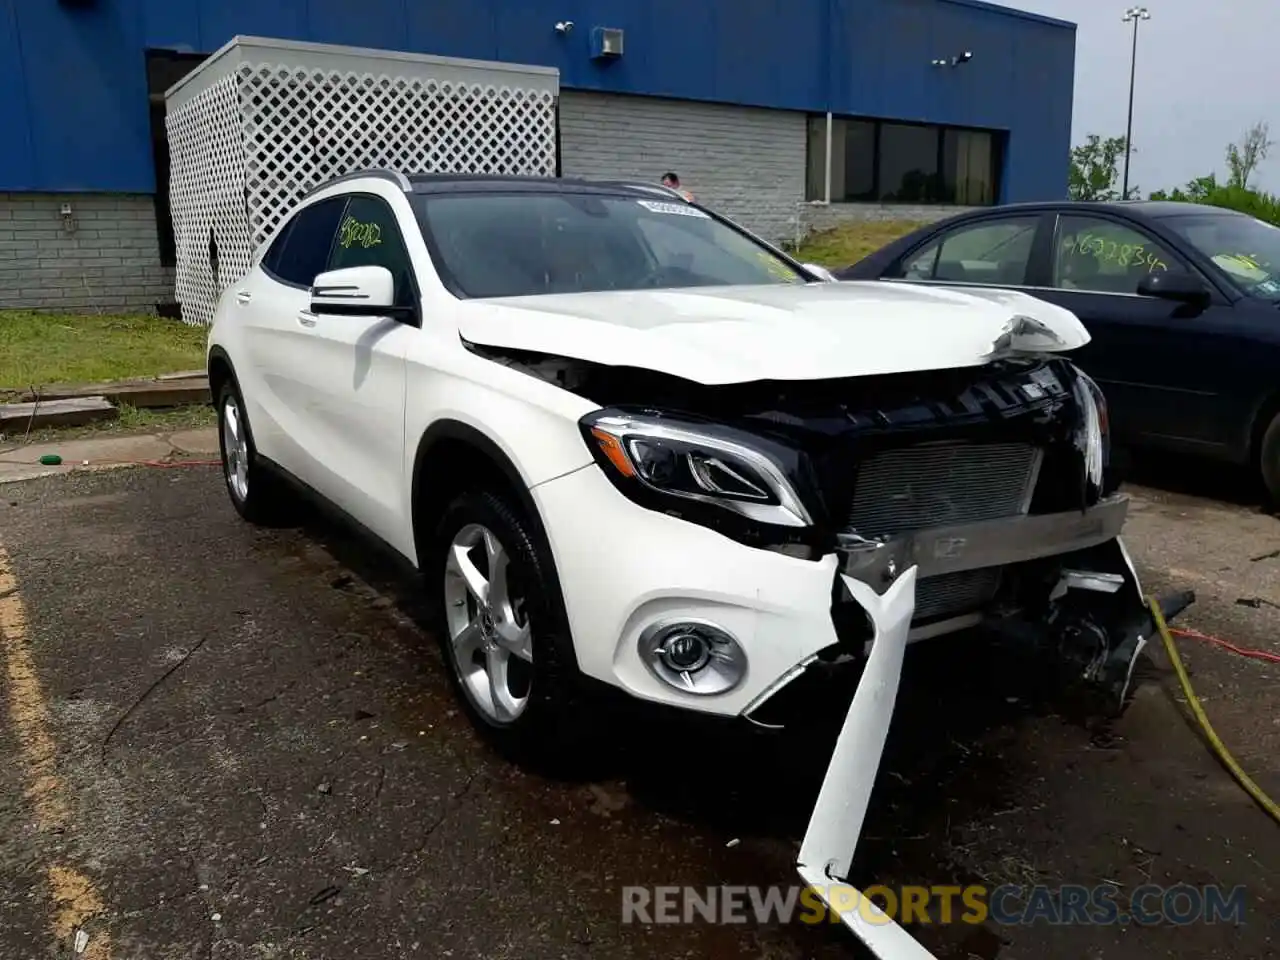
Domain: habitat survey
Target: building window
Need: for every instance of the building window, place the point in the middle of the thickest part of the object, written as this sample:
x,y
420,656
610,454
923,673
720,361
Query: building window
x,y
878,161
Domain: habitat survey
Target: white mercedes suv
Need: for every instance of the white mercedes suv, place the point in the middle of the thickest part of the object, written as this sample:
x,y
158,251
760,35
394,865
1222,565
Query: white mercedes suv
x,y
624,440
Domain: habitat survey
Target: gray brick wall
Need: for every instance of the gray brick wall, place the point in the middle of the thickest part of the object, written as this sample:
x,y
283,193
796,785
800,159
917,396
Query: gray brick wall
x,y
104,257
744,162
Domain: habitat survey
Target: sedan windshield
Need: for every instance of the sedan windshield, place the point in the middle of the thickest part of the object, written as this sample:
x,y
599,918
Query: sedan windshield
x,y
1245,249
514,245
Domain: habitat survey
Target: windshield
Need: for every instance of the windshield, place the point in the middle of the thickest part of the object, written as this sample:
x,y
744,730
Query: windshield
x,y
514,245
1244,248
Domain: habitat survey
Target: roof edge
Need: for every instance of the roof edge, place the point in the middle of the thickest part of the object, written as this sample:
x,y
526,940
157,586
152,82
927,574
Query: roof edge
x,y
989,7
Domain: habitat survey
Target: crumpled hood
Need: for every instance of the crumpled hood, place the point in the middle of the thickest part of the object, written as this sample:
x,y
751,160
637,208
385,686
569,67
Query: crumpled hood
x,y
715,335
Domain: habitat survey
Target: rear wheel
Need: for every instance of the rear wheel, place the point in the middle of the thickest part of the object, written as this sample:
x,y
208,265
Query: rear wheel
x,y
255,494
1269,460
503,629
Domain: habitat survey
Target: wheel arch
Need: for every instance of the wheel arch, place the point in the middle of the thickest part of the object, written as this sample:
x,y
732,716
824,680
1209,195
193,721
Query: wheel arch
x,y
220,371
1264,412
452,457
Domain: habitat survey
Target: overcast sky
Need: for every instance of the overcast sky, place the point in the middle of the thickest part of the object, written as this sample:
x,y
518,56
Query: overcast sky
x,y
1206,71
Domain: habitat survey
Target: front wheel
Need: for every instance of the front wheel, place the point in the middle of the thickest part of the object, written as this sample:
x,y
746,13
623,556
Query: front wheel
x,y
503,629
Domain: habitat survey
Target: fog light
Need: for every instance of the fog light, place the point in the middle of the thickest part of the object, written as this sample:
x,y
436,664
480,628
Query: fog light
x,y
694,656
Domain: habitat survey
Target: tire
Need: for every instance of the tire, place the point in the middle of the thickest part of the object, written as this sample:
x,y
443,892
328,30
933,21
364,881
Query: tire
x,y
535,718
254,492
1269,460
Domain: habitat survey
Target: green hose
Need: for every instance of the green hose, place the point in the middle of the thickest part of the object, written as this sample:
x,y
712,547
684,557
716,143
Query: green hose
x,y
1219,748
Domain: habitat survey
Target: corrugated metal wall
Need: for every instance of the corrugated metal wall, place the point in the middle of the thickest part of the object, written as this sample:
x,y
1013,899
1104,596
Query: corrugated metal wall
x,y
75,100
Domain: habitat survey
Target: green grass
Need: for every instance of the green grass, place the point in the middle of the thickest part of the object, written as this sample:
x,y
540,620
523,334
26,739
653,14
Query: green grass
x,y
850,242
38,349
131,420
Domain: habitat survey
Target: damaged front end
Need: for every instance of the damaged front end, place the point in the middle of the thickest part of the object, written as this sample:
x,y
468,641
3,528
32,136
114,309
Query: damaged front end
x,y
993,482
978,499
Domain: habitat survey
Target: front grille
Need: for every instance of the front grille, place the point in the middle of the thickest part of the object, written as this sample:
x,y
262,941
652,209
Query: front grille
x,y
951,594
939,484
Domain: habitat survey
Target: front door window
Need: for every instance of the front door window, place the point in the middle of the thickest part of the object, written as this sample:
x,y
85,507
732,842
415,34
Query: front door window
x,y
1105,256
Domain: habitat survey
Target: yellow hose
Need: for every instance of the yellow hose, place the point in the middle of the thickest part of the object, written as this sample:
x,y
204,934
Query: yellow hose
x,y
1219,748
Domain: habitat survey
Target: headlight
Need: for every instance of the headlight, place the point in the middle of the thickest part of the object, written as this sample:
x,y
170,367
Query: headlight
x,y
666,462
1093,436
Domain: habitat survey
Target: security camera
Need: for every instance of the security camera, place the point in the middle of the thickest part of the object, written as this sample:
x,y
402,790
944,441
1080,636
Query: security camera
x,y
564,26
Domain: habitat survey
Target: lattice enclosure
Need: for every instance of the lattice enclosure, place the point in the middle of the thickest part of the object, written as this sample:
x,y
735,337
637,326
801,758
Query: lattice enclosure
x,y
263,121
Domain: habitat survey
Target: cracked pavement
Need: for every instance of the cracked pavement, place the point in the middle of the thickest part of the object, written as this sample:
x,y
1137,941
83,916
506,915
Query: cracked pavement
x,y
262,759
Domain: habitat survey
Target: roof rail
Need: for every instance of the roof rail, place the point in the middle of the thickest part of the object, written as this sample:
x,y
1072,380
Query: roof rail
x,y
395,176
645,185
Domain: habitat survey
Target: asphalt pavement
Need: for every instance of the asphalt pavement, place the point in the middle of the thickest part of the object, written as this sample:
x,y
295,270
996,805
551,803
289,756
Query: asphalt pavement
x,y
229,742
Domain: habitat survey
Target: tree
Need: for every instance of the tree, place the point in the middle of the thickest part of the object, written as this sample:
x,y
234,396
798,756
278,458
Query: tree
x,y
1244,156
1095,168
1198,190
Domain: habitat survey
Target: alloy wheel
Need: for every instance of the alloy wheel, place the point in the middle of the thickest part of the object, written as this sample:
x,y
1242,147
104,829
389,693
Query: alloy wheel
x,y
490,637
235,446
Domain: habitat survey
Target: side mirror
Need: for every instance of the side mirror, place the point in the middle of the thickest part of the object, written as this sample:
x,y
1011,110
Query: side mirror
x,y
1176,285
357,292
822,273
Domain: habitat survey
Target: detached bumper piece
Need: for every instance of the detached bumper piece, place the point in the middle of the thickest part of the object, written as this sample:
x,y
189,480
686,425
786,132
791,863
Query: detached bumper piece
x,y
826,853
1099,624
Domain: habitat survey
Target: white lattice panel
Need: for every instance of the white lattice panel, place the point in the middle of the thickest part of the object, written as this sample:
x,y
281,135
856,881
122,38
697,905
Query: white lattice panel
x,y
206,187
272,119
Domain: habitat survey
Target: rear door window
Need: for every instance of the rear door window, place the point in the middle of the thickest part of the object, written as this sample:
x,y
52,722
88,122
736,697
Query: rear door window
x,y
304,243
994,252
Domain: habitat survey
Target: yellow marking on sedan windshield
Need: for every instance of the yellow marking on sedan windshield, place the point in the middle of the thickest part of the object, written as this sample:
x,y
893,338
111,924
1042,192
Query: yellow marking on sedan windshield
x,y
1248,266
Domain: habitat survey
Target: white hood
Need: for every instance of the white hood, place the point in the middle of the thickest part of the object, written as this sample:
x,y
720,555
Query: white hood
x,y
714,335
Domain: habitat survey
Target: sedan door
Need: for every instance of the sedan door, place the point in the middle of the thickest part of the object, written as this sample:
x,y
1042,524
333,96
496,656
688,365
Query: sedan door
x,y
1160,363
348,377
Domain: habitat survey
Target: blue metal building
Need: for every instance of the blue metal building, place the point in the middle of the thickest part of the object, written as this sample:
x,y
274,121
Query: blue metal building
x,y
780,112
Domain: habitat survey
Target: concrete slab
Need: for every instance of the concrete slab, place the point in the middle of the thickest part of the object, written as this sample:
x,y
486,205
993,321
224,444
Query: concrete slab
x,y
204,440
172,390
99,453
67,412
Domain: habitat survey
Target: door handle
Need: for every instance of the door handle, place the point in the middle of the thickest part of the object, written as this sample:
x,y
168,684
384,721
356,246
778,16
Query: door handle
x,y
307,318
243,296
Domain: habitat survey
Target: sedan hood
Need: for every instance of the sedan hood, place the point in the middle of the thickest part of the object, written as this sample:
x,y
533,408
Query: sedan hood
x,y
718,335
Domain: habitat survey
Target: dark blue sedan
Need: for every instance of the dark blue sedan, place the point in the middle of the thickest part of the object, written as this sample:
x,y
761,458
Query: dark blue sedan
x,y
1182,302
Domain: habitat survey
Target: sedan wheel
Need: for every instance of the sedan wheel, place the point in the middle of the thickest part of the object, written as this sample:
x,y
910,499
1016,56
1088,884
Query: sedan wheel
x,y
490,641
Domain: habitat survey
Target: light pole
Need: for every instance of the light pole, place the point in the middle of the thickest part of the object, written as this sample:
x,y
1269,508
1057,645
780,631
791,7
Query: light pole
x,y
1132,14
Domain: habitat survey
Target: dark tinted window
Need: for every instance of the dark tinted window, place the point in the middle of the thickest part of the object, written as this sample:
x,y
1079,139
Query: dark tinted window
x,y
271,259
507,245
369,236
968,167
909,164
995,252
1105,256
304,246
875,160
